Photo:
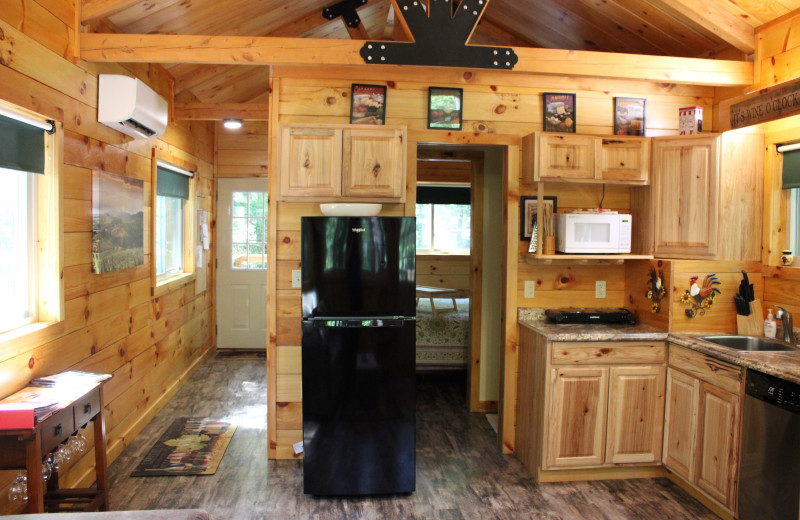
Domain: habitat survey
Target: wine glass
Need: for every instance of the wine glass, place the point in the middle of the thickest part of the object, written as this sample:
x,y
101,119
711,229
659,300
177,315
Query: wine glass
x,y
63,455
47,469
78,444
18,492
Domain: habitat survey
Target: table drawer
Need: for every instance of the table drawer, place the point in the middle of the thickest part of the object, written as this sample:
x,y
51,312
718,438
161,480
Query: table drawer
x,y
57,429
608,353
86,407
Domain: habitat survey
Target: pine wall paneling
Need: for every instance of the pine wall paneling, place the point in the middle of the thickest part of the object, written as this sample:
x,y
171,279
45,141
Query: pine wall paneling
x,y
112,323
498,109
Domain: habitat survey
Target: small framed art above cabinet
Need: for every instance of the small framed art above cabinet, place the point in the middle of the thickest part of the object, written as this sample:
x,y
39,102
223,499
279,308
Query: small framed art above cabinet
x,y
555,157
356,163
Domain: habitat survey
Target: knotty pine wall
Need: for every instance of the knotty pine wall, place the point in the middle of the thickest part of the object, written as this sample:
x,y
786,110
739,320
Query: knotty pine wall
x,y
499,108
112,324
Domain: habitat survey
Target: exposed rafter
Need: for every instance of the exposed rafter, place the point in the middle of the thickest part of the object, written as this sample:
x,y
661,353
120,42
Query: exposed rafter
x,y
346,9
220,111
240,50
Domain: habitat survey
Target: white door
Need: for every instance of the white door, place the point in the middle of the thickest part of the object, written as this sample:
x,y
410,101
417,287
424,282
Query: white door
x,y
242,263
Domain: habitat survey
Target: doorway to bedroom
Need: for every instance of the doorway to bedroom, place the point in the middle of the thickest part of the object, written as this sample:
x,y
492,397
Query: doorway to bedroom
x,y
459,210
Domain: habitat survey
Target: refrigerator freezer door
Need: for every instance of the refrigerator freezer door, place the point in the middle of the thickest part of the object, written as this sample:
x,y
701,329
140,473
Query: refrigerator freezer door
x,y
358,409
358,266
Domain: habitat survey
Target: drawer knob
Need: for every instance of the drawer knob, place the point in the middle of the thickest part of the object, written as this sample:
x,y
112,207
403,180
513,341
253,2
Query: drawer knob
x,y
58,430
87,408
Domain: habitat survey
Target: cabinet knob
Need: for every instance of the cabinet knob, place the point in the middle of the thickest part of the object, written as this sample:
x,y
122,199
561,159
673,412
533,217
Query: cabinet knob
x,y
87,408
58,429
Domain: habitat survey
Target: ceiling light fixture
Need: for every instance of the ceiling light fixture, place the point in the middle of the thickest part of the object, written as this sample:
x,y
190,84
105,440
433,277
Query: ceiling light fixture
x,y
232,124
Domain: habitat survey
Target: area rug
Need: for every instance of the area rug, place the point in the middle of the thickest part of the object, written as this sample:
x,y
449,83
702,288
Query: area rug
x,y
190,446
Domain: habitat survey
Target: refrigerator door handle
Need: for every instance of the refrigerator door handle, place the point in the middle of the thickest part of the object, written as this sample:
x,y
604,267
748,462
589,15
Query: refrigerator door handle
x,y
394,321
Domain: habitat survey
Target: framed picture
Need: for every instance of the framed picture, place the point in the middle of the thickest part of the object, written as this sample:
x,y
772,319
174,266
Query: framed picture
x,y
368,104
117,222
444,108
559,112
528,207
629,116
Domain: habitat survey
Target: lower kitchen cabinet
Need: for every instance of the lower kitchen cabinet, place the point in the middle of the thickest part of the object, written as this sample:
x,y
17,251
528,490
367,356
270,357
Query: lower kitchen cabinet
x,y
701,440
605,415
589,405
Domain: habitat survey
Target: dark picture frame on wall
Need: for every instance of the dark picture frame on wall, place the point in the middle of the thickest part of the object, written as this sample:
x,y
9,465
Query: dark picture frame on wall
x,y
629,116
445,108
368,104
528,212
558,112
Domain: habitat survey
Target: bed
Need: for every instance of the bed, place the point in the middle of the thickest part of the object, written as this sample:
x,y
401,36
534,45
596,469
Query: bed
x,y
443,337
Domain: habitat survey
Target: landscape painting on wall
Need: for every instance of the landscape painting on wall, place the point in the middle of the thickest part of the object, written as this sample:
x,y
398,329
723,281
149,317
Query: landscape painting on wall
x,y
117,222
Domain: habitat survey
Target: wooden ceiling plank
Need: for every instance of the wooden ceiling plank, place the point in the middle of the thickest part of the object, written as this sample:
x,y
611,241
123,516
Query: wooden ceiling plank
x,y
520,24
756,12
594,25
94,9
241,50
668,24
500,35
218,111
711,16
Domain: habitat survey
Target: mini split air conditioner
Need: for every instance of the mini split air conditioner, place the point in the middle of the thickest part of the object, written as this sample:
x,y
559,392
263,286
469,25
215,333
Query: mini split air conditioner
x,y
128,105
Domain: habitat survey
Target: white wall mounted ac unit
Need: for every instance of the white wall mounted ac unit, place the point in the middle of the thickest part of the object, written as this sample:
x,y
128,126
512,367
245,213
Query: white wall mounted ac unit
x,y
128,105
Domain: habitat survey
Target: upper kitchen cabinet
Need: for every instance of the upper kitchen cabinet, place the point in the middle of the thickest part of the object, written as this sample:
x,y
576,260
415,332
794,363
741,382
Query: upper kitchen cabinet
x,y
342,162
585,158
707,189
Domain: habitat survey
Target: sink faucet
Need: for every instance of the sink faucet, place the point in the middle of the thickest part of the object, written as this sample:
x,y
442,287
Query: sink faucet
x,y
786,320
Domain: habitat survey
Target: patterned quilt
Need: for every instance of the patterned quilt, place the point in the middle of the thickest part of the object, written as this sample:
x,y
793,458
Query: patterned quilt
x,y
442,339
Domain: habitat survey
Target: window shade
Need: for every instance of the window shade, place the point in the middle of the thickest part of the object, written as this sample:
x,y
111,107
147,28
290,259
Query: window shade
x,y
443,195
21,146
172,184
791,169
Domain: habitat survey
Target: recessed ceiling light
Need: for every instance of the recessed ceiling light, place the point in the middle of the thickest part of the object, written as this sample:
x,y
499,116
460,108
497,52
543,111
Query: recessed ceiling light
x,y
232,124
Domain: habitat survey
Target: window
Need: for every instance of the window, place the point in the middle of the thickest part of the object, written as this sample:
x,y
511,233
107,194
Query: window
x,y
173,222
249,230
790,182
29,241
443,219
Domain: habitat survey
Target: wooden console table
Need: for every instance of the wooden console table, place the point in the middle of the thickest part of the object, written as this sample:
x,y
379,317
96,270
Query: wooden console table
x,y
25,448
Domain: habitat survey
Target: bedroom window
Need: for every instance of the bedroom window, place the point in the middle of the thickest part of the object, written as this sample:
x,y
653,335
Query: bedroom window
x,y
173,225
29,245
443,219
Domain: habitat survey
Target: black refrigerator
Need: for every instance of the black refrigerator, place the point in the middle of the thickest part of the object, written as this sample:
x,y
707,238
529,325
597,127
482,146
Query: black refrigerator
x,y
358,355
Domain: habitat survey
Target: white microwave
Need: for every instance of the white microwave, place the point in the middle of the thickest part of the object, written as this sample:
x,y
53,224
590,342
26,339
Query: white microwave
x,y
593,233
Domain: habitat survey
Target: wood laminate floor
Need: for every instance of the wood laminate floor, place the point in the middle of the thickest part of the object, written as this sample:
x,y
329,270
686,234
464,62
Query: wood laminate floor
x,y
460,472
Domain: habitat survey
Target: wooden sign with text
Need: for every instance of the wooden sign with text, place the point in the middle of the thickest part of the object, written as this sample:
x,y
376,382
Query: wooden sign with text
x,y
766,105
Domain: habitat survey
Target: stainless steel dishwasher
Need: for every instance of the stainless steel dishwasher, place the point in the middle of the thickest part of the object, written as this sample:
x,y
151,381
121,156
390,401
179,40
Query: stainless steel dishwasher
x,y
769,473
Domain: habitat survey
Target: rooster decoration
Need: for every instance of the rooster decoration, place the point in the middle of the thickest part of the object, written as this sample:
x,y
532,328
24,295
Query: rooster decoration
x,y
657,290
700,297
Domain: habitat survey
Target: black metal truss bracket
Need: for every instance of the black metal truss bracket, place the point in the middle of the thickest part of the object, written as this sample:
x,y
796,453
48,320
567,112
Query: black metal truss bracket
x,y
440,38
347,10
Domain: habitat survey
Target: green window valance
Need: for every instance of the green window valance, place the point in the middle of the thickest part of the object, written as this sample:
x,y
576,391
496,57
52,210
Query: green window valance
x,y
171,183
443,195
21,146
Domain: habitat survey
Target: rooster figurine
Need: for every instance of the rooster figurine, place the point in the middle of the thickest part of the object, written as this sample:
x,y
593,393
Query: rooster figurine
x,y
657,291
700,297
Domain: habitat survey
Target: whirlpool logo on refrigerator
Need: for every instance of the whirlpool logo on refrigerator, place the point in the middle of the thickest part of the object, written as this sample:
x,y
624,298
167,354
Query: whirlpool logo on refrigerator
x,y
358,229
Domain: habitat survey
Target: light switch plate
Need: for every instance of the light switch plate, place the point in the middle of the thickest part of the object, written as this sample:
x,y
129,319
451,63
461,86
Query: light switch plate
x,y
600,289
530,289
297,282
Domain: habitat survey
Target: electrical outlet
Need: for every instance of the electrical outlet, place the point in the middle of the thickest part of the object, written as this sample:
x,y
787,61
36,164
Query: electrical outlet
x,y
296,278
600,289
530,289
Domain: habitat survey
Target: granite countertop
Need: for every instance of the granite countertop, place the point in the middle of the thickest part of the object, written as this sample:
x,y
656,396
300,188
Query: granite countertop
x,y
785,365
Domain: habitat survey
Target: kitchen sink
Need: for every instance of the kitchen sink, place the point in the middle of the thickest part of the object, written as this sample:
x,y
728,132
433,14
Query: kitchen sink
x,y
751,343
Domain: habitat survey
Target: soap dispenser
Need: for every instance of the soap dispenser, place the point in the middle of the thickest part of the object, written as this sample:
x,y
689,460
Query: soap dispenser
x,y
770,327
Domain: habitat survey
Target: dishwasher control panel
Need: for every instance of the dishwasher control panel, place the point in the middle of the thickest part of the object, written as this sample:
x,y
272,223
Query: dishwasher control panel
x,y
773,390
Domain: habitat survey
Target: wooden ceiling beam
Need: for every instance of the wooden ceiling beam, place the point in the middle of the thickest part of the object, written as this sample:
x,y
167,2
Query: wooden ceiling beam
x,y
220,111
94,9
710,16
243,50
